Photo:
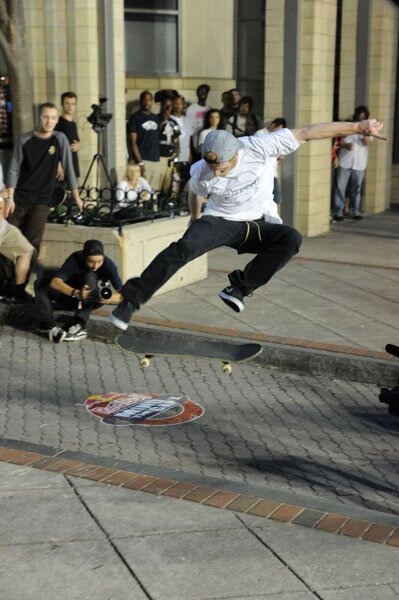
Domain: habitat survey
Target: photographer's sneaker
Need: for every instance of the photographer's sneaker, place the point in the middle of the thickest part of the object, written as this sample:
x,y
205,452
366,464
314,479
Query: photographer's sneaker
x,y
121,315
233,297
57,334
75,333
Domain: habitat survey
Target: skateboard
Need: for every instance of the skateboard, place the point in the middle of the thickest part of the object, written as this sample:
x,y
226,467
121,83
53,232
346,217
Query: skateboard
x,y
147,344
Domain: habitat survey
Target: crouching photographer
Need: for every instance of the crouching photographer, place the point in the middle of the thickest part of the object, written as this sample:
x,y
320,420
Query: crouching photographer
x,y
86,280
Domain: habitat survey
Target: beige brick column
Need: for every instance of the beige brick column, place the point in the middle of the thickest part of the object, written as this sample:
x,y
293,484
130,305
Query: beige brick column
x,y
56,45
315,106
63,38
83,62
382,76
35,26
274,59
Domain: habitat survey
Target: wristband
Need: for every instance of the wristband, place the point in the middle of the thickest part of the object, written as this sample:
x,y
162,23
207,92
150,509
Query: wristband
x,y
141,164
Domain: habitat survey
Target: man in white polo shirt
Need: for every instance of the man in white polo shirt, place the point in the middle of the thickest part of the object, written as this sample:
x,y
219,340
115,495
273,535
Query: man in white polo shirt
x,y
235,179
353,157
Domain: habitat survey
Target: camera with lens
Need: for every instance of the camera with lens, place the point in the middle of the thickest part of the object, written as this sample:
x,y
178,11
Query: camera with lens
x,y
99,118
104,290
99,289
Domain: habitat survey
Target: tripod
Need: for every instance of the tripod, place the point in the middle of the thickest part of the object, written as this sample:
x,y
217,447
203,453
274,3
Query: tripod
x,y
98,160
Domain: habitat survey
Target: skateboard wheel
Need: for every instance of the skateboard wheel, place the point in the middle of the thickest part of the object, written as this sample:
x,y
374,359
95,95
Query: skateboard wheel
x,y
227,368
145,362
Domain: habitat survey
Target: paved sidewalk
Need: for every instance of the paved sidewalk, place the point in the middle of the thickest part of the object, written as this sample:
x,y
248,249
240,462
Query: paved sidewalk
x,y
72,539
315,451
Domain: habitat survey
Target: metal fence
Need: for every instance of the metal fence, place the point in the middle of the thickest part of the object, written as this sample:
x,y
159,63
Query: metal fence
x,y
113,207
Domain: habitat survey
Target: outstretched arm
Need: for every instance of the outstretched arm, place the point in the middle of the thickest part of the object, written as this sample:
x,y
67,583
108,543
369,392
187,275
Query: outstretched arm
x,y
322,131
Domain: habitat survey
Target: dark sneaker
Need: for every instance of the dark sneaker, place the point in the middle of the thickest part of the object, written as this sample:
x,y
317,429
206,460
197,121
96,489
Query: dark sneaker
x,y
121,315
57,334
357,217
25,298
75,333
233,298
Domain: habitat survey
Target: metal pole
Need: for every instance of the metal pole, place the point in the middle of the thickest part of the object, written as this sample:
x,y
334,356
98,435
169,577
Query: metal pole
x,y
108,82
363,51
292,27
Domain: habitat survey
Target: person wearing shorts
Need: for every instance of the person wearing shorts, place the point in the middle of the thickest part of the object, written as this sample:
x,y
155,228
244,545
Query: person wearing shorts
x,y
15,247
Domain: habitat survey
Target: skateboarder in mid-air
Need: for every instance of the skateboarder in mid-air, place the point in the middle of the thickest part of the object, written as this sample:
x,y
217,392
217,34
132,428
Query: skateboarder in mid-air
x,y
235,179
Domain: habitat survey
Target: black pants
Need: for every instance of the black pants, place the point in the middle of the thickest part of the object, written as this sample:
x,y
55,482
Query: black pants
x,y
274,245
47,299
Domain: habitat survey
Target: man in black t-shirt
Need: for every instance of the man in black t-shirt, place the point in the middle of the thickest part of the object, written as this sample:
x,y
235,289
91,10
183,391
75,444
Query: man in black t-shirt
x,y
143,133
32,175
169,133
67,125
81,284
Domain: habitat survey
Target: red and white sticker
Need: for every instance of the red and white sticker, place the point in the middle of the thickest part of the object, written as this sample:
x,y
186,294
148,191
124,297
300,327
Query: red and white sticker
x,y
144,409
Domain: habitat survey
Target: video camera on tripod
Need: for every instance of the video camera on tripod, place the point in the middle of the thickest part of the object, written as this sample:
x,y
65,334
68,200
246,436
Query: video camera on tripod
x,y
99,118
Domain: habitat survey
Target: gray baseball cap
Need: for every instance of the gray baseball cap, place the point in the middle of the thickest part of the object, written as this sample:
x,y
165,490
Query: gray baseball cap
x,y
220,146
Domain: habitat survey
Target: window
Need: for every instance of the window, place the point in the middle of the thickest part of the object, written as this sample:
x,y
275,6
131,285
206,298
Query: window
x,y
151,37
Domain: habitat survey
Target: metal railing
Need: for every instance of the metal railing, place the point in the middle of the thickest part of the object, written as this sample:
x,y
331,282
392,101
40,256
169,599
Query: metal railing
x,y
113,207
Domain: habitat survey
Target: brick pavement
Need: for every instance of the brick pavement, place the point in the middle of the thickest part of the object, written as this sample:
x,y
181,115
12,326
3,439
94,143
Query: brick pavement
x,y
311,436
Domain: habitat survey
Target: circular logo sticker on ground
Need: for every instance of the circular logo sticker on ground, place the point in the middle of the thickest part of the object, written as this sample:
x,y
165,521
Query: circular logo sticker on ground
x,y
143,409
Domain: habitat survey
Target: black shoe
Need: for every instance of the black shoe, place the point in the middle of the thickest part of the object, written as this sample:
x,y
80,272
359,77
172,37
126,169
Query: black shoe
x,y
25,298
357,217
337,219
56,334
121,315
233,297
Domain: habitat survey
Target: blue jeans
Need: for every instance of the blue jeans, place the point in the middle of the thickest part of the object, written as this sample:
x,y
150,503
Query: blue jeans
x,y
274,245
355,180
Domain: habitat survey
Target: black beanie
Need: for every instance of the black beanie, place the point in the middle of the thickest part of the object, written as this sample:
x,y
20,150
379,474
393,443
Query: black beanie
x,y
93,248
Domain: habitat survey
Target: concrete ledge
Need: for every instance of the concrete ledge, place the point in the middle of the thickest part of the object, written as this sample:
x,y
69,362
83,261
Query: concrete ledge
x,y
132,248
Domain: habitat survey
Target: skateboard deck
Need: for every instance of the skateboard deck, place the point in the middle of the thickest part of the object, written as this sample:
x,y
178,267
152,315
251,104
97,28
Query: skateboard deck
x,y
147,344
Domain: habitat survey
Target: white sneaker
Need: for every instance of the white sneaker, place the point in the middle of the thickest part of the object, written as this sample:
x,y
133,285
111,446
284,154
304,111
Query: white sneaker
x,y
121,315
57,334
75,333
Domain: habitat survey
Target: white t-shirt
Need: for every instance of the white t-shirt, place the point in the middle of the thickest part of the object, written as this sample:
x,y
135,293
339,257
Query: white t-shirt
x,y
203,135
246,193
184,139
355,159
126,195
240,125
261,132
195,117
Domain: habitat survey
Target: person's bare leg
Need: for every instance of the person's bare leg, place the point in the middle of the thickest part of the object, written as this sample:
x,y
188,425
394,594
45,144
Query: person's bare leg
x,y
22,265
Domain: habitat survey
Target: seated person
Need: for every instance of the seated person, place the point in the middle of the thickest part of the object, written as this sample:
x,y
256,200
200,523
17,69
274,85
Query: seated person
x,y
132,188
78,285
16,248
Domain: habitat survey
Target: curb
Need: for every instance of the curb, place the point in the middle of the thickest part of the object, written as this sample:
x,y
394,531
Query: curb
x,y
362,529
303,356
